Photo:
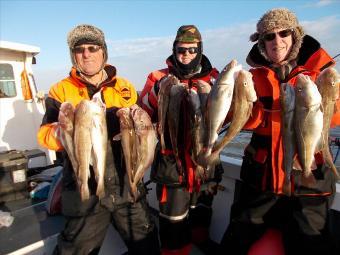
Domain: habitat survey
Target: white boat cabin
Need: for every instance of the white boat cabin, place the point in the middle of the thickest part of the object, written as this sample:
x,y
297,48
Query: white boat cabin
x,y
21,105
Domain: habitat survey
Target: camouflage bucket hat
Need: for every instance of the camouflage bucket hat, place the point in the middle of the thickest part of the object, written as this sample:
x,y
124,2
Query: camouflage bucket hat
x,y
188,34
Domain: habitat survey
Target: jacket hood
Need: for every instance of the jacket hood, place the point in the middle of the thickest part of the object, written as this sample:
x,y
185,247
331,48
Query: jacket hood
x,y
205,69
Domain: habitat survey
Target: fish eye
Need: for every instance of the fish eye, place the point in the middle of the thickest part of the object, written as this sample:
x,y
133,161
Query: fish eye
x,y
333,83
245,84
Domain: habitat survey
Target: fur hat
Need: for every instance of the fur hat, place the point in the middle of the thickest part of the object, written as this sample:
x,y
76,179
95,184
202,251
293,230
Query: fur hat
x,y
188,34
83,34
280,18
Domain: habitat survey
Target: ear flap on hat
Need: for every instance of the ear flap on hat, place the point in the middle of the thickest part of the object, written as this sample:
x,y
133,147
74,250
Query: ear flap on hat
x,y
254,37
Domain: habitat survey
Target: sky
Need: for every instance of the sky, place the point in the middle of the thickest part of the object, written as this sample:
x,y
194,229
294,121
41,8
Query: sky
x,y
139,34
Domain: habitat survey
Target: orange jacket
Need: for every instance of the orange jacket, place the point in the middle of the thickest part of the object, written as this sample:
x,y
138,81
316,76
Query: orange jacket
x,y
116,93
266,119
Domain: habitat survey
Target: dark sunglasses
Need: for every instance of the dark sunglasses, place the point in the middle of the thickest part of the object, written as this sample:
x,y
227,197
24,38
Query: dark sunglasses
x,y
182,50
284,33
81,49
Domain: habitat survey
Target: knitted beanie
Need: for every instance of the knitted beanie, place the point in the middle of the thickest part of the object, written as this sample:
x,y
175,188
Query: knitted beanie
x,y
86,34
278,19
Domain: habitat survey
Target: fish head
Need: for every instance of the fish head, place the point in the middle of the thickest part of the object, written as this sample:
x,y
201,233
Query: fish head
x,y
67,109
328,83
173,80
229,73
83,108
142,121
124,118
97,105
194,99
244,83
203,87
178,90
306,91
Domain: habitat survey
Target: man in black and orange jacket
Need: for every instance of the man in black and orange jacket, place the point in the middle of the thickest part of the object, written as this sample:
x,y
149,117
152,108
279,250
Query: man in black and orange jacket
x,y
87,221
263,207
185,211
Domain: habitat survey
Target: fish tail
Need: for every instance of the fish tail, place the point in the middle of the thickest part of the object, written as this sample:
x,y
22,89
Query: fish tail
x,y
84,192
213,159
162,142
287,186
100,188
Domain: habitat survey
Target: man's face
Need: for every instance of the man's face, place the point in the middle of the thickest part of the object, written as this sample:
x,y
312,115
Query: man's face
x,y
183,50
278,44
89,58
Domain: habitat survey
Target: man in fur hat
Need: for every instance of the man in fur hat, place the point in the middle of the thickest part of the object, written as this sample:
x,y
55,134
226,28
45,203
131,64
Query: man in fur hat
x,y
185,212
87,221
271,211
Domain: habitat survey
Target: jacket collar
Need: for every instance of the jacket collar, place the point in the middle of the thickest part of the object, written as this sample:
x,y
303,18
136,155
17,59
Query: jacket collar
x,y
206,68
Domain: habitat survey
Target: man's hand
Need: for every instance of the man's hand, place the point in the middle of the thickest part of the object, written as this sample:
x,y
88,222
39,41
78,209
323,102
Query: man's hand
x,y
166,81
66,116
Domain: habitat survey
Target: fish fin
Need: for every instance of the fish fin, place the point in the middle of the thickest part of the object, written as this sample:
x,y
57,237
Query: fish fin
x,y
117,137
250,109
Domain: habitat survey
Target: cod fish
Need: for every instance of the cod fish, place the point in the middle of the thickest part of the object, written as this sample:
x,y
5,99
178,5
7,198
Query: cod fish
x,y
177,94
66,119
163,104
128,138
243,98
218,104
328,86
196,120
287,100
308,121
147,140
196,129
203,90
90,144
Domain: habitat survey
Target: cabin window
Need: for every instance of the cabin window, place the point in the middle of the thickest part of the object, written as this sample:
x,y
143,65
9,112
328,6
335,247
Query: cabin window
x,y
7,82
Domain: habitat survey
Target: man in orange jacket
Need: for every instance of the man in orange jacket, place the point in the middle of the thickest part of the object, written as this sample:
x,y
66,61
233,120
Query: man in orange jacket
x,y
282,52
87,221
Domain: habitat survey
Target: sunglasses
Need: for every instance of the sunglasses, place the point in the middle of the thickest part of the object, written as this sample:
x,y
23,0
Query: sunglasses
x,y
182,50
284,33
81,49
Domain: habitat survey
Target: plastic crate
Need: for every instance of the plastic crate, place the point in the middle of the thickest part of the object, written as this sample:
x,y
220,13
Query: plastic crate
x,y
13,176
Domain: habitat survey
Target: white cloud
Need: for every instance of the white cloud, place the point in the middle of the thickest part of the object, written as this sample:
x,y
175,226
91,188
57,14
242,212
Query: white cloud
x,y
324,3
320,3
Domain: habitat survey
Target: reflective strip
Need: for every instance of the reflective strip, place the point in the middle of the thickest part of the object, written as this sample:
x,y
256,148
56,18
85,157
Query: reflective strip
x,y
39,247
174,218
